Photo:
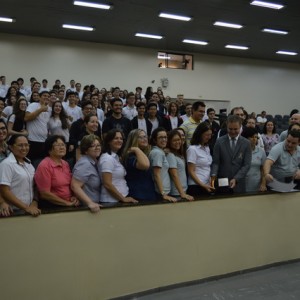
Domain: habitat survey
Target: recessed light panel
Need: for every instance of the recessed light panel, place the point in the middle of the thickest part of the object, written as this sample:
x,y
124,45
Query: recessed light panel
x,y
238,47
286,52
229,25
275,31
149,36
92,4
77,27
175,17
267,4
195,42
9,20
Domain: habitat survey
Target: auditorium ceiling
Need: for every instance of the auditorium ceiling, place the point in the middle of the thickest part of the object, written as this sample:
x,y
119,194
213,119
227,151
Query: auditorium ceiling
x,y
118,25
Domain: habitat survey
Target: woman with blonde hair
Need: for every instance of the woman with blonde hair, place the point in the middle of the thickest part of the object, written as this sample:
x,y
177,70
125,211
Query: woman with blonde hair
x,y
137,165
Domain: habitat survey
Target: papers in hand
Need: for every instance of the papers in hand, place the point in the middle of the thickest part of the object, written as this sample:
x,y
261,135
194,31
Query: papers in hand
x,y
282,187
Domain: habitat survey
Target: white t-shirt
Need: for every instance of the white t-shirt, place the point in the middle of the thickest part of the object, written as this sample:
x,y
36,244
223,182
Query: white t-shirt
x,y
74,112
129,112
37,128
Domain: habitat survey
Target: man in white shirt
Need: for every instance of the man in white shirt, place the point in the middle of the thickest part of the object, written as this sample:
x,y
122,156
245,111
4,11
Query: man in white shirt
x,y
98,111
129,111
262,118
44,86
78,90
37,116
72,110
3,87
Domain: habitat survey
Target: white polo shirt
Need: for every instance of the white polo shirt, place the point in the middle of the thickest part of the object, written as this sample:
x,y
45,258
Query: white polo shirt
x,y
19,177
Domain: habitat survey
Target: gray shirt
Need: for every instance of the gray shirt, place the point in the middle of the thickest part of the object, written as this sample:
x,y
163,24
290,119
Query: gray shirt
x,y
285,164
85,170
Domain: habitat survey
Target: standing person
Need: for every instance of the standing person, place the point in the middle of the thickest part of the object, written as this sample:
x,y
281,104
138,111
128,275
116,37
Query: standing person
x,y
283,160
269,136
232,156
188,112
37,117
250,123
199,161
53,175
16,123
116,120
114,186
2,105
97,111
129,111
189,126
137,165
215,127
255,179
160,165
72,110
86,183
59,123
139,121
177,171
172,120
153,117
16,178
295,118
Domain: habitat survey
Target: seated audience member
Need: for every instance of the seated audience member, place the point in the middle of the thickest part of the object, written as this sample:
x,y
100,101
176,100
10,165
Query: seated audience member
x,y
189,126
250,123
139,121
36,117
72,110
16,123
283,160
16,179
172,120
160,165
116,120
129,111
86,182
255,179
260,120
199,161
153,117
295,118
114,186
232,157
53,175
269,136
137,165
177,171
3,136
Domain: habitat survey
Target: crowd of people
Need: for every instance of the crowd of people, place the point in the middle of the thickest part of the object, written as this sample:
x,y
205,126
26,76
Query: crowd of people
x,y
72,147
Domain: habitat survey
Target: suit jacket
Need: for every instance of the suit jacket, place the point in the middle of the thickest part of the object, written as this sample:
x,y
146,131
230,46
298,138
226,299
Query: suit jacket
x,y
232,164
135,125
167,122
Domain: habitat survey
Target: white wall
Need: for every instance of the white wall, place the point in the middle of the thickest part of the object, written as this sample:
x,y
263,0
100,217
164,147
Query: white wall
x,y
255,84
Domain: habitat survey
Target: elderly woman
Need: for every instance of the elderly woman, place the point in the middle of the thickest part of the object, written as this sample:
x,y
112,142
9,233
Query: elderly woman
x,y
114,186
86,182
16,178
138,173
53,175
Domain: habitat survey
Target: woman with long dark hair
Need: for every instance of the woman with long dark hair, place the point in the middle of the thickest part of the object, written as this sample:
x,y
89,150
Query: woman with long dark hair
x,y
16,123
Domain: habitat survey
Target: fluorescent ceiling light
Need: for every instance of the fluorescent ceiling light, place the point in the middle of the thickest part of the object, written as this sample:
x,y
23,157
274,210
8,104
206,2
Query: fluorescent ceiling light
x,y
2,19
195,42
286,52
237,47
175,17
163,57
269,30
90,4
267,4
149,36
78,27
230,25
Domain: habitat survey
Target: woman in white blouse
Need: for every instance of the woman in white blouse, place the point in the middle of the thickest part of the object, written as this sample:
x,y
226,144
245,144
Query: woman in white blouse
x,y
199,161
114,186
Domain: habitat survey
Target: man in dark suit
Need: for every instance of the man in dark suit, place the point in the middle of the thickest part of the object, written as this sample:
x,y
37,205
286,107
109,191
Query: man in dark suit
x,y
140,121
232,157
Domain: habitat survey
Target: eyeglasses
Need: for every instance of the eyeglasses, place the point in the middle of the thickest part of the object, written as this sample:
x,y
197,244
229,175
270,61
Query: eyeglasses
x,y
22,145
95,146
59,145
3,128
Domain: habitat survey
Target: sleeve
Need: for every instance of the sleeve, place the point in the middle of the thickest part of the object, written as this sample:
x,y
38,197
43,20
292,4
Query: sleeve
x,y
274,153
106,164
31,107
191,155
82,170
172,161
6,174
216,159
156,159
242,172
11,118
42,177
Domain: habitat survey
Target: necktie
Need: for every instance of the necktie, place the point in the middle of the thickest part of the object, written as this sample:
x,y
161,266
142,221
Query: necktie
x,y
232,144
